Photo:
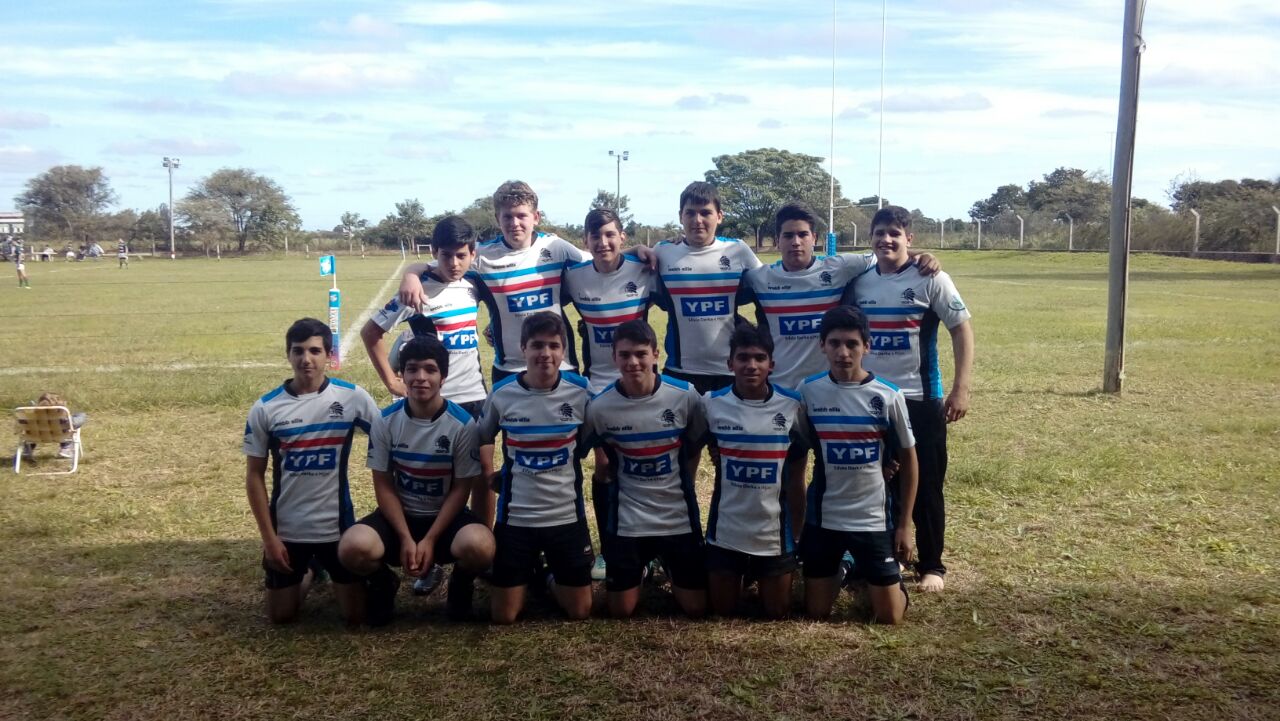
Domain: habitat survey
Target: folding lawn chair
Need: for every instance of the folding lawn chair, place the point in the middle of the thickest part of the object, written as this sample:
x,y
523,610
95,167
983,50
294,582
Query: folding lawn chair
x,y
46,424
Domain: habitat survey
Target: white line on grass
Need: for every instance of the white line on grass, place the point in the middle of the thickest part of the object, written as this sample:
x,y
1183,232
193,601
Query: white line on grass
x,y
353,330
149,367
1095,289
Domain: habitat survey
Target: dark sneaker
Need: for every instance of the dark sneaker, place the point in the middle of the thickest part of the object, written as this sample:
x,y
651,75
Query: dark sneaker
x,y
429,582
462,587
381,587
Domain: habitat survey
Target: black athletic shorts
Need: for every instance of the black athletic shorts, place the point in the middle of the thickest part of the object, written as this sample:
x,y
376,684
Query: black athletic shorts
x,y
737,563
821,550
625,557
472,408
300,557
703,383
567,549
418,527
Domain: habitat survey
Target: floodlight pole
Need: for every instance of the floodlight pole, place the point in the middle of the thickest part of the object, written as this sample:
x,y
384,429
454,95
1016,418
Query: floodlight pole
x,y
831,159
1195,238
942,233
1021,226
619,156
884,14
171,163
979,221
1131,47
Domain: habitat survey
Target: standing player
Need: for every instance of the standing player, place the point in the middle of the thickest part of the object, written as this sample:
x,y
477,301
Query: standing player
x,y
649,425
755,430
425,461
700,278
539,412
904,308
23,280
305,426
853,420
122,253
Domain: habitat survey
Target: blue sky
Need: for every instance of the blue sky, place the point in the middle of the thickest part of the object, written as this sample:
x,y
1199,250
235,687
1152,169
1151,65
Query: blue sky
x,y
357,105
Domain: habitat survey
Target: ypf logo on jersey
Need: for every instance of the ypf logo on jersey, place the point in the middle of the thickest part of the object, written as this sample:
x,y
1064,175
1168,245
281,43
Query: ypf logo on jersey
x,y
442,444
335,410
311,459
461,340
799,324
704,306
853,454
603,334
541,461
749,472
890,341
646,467
533,300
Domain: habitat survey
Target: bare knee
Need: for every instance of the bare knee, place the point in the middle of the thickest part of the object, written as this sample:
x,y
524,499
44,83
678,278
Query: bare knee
x,y
474,547
361,550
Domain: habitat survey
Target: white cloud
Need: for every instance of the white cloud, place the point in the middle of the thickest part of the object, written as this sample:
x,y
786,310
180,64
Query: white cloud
x,y
173,146
922,103
24,159
23,120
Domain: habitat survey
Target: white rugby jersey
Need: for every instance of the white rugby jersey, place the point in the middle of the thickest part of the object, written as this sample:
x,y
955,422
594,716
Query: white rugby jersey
x,y
520,283
753,440
903,310
652,493
450,313
308,439
700,295
424,455
122,250
791,304
605,301
851,427
541,481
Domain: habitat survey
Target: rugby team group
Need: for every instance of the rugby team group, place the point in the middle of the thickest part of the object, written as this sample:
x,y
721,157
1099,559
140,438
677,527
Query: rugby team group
x,y
841,366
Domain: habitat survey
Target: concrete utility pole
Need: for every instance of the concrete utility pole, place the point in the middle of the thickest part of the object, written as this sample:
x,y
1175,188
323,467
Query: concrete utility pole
x,y
1071,232
979,234
1277,211
1020,228
831,161
171,164
942,233
619,156
1195,237
1131,47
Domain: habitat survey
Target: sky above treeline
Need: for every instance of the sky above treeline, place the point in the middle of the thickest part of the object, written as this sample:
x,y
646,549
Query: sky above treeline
x,y
356,105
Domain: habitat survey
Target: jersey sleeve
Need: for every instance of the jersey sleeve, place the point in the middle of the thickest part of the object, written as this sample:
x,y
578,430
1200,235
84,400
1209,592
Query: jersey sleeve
x,y
466,452
695,422
367,410
379,458
487,423
946,302
748,257
391,315
257,436
591,436
572,254
858,263
899,423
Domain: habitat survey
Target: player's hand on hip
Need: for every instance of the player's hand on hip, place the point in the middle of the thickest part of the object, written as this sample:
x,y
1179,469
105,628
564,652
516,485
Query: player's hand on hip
x,y
957,405
411,295
277,555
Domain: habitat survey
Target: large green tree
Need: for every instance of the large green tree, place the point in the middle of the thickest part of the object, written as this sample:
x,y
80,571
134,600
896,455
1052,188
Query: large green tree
x,y
1071,190
1235,214
1007,199
67,196
755,183
253,206
621,206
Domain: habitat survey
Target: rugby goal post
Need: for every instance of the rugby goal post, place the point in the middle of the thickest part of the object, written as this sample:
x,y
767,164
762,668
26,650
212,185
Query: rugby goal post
x,y
420,248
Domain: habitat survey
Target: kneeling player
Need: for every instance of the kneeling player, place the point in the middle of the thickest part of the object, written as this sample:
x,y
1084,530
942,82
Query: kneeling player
x,y
853,419
540,507
425,462
649,425
755,431
305,426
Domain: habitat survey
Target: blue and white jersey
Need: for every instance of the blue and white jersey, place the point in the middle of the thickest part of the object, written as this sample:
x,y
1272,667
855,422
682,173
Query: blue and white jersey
x,y
541,478
652,493
790,304
752,441
605,301
700,294
903,310
424,455
519,283
308,439
851,428
450,314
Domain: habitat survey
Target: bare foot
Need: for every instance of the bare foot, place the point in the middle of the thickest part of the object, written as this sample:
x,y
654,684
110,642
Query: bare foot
x,y
931,583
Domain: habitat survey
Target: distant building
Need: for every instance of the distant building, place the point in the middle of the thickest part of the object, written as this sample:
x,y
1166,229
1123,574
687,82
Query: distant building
x,y
12,222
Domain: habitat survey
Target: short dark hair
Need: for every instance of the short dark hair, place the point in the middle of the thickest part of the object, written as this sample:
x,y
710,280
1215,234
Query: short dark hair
x,y
637,331
892,215
542,323
844,317
305,328
746,335
794,211
599,218
451,232
700,192
424,347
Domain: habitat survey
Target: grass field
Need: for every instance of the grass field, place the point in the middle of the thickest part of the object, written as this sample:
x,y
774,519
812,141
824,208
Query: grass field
x,y
1111,557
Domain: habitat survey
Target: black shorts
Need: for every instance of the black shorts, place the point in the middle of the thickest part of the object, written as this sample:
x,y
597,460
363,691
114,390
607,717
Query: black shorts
x,y
472,408
703,383
300,557
497,374
872,551
418,527
625,557
737,563
567,548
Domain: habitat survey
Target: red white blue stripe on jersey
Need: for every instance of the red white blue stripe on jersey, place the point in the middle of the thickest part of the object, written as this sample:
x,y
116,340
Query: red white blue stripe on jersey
x,y
894,318
878,426
315,436
613,313
806,301
514,281
523,436
646,445
702,283
746,445
423,465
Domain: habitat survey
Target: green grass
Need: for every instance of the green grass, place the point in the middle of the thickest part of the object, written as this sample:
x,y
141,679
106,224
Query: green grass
x,y
1111,556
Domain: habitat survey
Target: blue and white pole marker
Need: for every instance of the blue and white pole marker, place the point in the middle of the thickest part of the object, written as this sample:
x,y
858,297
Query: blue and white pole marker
x,y
329,266
831,243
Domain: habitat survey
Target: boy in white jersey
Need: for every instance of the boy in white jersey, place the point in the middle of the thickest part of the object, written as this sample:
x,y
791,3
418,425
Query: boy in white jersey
x,y
792,294
853,419
305,427
540,412
904,309
649,425
425,462
755,430
122,253
701,277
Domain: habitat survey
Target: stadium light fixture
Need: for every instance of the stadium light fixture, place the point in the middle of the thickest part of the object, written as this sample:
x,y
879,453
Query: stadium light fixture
x,y
171,164
619,156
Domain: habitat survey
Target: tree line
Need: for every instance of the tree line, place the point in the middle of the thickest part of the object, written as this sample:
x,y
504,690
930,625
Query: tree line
x,y
240,209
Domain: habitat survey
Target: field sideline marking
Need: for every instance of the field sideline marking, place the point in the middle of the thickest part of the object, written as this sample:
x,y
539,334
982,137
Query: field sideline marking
x,y
353,330
32,370
1143,290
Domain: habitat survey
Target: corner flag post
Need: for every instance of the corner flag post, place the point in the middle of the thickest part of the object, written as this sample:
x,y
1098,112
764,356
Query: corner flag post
x,y
329,266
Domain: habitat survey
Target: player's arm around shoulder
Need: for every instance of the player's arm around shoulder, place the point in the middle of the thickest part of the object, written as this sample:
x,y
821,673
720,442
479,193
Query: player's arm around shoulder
x,y
410,292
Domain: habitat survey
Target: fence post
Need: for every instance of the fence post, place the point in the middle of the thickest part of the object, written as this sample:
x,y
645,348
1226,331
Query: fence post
x,y
1020,228
942,234
979,235
1071,233
1277,211
1195,239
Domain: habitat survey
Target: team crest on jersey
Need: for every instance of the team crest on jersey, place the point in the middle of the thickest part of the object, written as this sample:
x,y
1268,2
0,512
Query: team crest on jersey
x,y
668,417
956,304
545,254
630,288
909,295
566,412
825,277
877,406
779,421
335,410
442,444
724,262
